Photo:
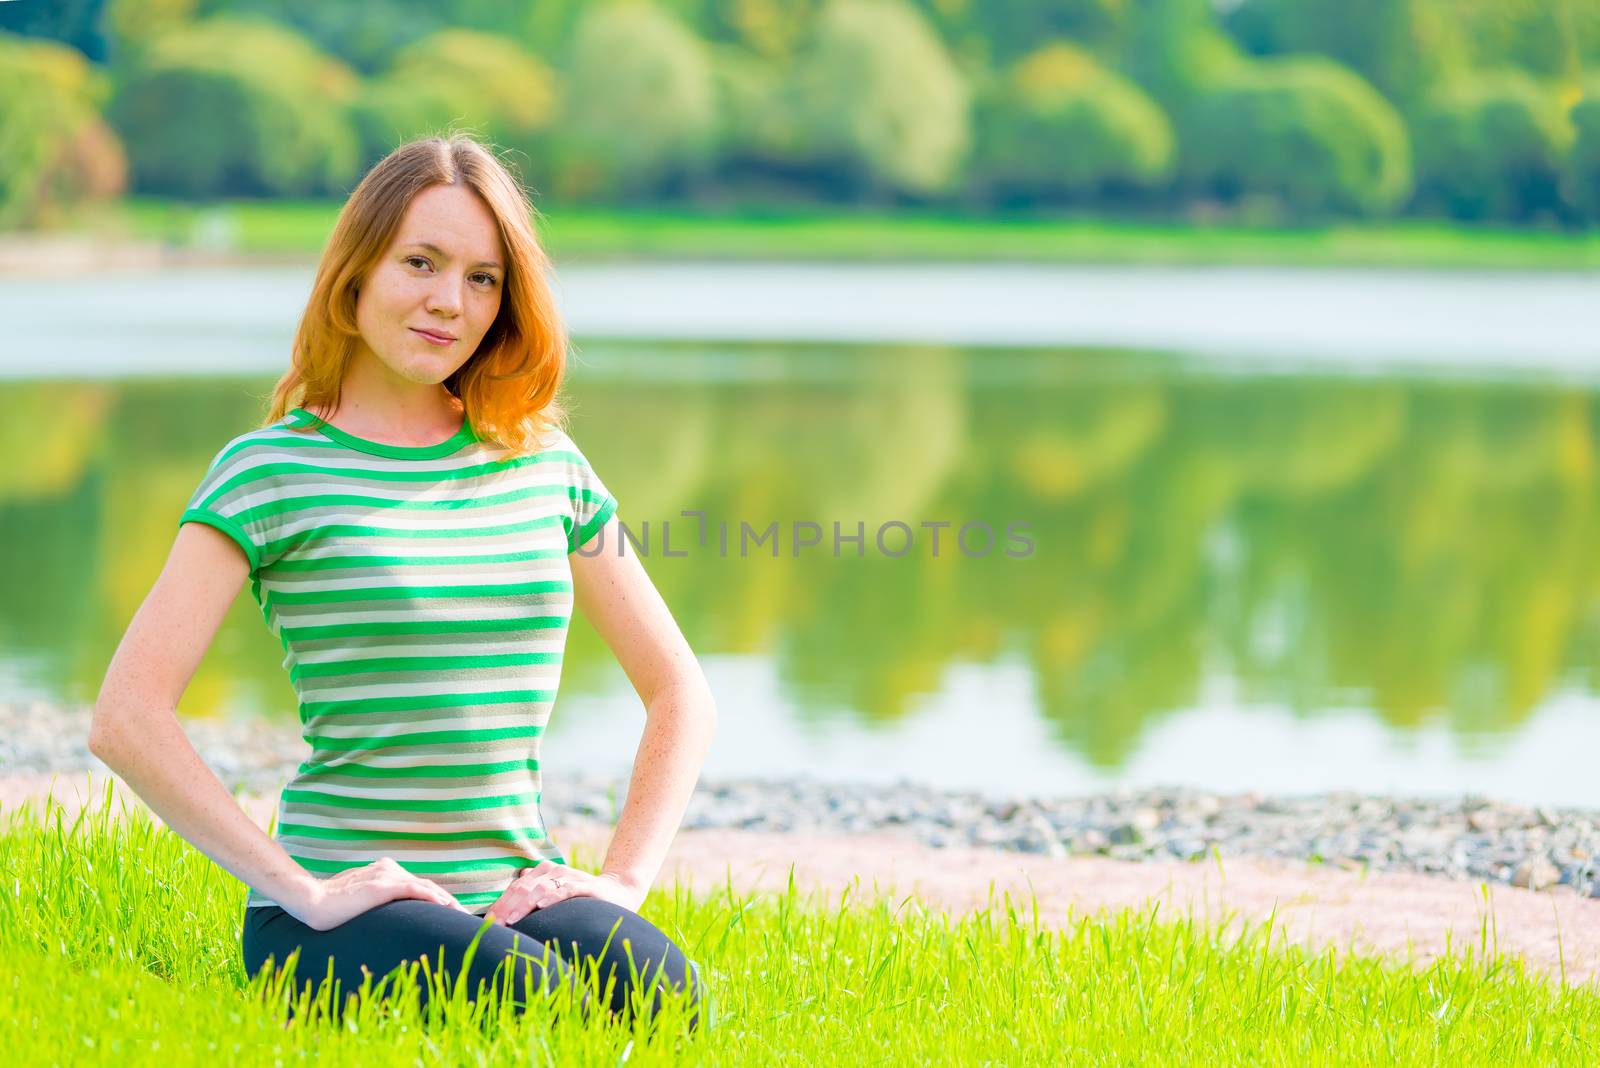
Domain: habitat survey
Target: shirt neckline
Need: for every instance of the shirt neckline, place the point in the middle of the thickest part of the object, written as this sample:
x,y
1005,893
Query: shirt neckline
x,y
446,447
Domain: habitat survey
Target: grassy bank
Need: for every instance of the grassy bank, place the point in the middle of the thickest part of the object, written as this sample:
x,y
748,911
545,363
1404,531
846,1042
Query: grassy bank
x,y
582,233
120,944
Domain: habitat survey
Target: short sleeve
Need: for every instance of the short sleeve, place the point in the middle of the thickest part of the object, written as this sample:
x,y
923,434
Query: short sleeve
x,y
233,497
591,502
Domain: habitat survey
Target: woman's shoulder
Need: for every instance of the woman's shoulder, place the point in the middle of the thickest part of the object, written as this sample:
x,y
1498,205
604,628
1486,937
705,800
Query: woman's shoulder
x,y
254,446
555,442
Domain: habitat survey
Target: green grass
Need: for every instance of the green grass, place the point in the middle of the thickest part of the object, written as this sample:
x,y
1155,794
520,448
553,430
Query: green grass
x,y
299,228
119,945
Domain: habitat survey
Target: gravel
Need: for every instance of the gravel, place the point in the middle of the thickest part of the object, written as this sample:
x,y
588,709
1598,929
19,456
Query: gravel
x,y
1468,837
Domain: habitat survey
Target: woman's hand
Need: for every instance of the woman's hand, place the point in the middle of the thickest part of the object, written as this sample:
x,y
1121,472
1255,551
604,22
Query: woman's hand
x,y
331,901
547,882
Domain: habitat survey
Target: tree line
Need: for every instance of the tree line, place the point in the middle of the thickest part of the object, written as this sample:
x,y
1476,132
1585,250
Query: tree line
x,y
1252,110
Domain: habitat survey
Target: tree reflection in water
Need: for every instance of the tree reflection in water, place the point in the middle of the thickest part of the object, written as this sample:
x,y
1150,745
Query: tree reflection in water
x,y
1414,547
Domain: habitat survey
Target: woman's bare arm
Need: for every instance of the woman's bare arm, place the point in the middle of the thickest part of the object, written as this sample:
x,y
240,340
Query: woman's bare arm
x,y
136,732
622,604
617,597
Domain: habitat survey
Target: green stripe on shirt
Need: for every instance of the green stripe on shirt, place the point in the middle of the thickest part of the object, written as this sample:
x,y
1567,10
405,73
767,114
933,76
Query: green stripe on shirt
x,y
405,585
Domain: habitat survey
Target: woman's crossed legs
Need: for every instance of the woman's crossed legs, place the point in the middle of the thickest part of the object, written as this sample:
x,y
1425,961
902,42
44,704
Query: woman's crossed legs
x,y
405,930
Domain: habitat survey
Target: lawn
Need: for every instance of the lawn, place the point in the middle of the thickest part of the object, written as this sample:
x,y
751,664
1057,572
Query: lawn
x,y
119,945
573,233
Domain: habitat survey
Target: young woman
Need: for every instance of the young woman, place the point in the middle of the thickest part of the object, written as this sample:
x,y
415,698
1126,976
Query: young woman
x,y
410,518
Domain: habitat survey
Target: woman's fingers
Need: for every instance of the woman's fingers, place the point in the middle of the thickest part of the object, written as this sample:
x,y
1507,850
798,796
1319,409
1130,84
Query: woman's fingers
x,y
537,887
427,890
531,883
512,907
532,889
554,889
445,897
356,890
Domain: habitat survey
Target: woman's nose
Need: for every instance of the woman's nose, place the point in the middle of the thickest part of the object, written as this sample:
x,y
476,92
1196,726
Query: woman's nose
x,y
445,295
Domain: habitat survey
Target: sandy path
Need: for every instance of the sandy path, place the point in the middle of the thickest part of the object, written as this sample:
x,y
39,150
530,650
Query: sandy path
x,y
1401,916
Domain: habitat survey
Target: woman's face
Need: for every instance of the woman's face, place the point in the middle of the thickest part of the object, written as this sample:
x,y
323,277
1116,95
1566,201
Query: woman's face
x,y
426,304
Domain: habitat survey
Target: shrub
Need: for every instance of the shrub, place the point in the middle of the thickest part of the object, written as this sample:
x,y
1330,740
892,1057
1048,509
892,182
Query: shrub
x,y
237,106
1060,124
1304,131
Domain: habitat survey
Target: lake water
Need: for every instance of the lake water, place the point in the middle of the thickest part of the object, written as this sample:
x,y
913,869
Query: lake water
x,y
242,319
1286,583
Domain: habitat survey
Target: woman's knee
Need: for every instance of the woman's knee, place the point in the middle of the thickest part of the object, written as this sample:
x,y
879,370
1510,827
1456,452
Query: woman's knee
x,y
627,948
433,943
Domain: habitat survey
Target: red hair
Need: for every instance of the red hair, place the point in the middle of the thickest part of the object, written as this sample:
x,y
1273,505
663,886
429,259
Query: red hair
x,y
508,386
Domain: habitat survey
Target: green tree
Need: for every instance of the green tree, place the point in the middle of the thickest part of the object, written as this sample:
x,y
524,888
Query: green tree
x,y
1553,39
1582,174
991,34
1303,130
876,90
638,104
772,28
1400,46
1176,51
462,78
1492,146
366,35
79,23
753,120
1060,124
55,151
548,26
237,106
131,25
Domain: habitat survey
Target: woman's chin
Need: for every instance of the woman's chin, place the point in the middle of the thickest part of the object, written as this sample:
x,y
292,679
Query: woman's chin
x,y
420,369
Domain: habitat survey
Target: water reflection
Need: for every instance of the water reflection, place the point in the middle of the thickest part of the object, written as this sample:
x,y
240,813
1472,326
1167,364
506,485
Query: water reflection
x,y
1416,549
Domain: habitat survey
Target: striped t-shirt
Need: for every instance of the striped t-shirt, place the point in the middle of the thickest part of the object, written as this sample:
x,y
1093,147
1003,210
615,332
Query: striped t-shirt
x,y
422,596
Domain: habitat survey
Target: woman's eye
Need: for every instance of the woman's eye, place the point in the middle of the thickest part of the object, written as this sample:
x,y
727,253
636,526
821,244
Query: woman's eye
x,y
485,279
416,261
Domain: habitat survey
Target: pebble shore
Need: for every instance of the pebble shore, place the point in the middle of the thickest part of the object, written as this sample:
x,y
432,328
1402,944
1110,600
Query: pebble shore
x,y
1467,837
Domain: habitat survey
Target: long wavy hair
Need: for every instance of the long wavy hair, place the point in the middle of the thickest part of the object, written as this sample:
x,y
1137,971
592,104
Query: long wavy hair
x,y
508,386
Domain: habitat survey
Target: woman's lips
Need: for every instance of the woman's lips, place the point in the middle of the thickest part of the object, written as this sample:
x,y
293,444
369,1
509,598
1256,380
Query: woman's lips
x,y
436,339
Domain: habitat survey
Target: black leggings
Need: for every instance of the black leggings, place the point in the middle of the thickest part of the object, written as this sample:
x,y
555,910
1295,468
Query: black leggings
x,y
576,930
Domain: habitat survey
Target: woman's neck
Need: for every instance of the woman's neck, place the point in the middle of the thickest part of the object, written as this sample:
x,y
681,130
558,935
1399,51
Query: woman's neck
x,y
379,405
393,424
